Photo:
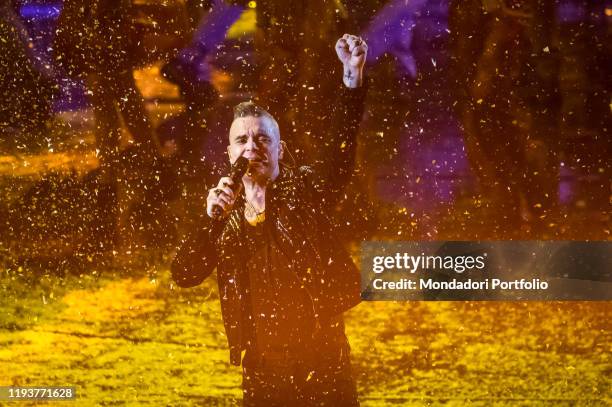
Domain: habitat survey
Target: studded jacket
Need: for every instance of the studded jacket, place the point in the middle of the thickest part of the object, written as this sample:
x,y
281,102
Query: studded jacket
x,y
299,205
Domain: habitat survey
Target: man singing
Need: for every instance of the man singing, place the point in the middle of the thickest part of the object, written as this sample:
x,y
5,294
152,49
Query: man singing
x,y
284,278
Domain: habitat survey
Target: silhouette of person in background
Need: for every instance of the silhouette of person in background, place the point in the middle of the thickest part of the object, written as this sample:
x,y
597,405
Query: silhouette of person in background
x,y
190,68
94,41
27,86
506,71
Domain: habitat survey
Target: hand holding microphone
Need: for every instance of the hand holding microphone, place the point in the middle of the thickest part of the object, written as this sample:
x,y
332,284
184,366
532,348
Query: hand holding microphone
x,y
221,199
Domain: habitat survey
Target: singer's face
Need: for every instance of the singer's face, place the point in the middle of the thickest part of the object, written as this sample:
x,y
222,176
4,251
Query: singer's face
x,y
258,140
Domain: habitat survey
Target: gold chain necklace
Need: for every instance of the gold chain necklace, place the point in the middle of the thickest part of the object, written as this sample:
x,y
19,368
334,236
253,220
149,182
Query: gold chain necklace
x,y
250,211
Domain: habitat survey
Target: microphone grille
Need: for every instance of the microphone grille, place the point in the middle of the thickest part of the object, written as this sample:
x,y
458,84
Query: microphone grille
x,y
240,167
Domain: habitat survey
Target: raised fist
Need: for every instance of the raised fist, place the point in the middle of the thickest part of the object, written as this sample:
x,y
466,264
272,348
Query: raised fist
x,y
352,52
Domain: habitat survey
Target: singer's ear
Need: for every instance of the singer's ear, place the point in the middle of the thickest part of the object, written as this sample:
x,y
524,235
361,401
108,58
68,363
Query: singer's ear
x,y
229,155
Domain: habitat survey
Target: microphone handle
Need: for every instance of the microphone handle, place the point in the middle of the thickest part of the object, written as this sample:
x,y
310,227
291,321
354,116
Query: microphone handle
x,y
238,169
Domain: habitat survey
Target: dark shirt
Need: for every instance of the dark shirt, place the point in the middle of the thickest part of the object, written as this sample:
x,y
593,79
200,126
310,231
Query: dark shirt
x,y
299,208
282,309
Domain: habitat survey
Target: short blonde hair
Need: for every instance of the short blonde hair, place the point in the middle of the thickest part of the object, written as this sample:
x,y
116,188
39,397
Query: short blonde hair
x,y
250,109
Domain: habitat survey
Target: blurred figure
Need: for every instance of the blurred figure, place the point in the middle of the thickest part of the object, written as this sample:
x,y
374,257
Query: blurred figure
x,y
586,28
506,71
27,86
469,26
390,31
190,67
186,130
95,41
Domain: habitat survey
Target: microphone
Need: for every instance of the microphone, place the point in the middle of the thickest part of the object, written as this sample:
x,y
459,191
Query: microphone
x,y
239,168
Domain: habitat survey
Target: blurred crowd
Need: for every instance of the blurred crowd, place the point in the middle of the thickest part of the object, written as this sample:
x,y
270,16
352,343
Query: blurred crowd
x,y
527,82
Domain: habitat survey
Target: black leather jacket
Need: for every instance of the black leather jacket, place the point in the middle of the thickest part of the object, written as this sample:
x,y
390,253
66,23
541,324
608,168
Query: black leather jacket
x,y
298,206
